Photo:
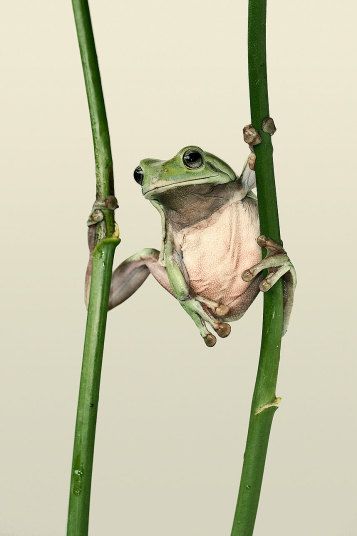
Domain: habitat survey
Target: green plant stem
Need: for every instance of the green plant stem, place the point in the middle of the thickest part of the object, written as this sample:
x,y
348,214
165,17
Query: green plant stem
x,y
264,402
82,464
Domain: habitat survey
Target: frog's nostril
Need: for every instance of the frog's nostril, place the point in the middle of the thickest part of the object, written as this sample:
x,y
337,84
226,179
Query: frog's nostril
x,y
139,175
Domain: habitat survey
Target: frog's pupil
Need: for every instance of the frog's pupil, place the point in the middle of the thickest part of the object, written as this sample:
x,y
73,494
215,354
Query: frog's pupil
x,y
138,175
192,159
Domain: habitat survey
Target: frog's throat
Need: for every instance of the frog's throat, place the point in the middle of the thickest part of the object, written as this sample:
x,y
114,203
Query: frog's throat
x,y
202,180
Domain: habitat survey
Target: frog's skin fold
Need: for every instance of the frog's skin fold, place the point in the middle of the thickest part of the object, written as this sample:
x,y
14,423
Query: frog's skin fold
x,y
210,259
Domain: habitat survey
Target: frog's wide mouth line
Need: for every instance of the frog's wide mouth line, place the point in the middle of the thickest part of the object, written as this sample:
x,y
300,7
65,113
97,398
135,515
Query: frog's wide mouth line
x,y
192,182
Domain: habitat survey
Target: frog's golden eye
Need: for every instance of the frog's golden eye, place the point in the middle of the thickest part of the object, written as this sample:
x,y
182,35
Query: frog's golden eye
x,y
192,159
139,175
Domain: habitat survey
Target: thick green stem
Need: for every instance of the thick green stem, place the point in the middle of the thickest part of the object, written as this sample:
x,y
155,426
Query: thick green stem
x,y
82,464
264,402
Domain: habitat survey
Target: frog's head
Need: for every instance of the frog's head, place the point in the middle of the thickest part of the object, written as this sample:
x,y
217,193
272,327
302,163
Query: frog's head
x,y
190,167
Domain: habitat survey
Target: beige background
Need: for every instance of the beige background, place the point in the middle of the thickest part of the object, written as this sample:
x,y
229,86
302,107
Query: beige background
x,y
173,414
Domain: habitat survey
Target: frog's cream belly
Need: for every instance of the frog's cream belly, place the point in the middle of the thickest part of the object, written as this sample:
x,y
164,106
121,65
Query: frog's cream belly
x,y
217,251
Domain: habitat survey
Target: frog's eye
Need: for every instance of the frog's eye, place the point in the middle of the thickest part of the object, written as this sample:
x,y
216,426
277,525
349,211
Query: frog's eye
x,y
192,159
139,175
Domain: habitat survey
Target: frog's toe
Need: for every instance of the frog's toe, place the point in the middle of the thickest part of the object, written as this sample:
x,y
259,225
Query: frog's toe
x,y
222,310
219,309
276,274
223,329
251,161
269,126
270,245
251,136
210,340
248,275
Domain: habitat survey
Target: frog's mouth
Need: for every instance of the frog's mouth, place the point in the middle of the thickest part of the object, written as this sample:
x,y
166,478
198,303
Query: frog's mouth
x,y
153,192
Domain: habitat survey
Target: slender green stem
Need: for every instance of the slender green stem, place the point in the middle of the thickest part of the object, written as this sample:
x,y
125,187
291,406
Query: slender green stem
x,y
83,450
82,464
264,402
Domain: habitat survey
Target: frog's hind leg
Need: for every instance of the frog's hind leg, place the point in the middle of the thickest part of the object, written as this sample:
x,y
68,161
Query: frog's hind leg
x,y
131,274
279,266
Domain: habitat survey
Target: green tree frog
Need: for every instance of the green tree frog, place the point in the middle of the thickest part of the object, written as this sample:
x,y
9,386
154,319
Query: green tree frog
x,y
210,259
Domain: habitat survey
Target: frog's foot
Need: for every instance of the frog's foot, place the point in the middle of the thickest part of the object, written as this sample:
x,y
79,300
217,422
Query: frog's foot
x,y
279,266
201,318
219,309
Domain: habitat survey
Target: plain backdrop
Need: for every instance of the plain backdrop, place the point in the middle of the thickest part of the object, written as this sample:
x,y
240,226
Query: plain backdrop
x,y
173,414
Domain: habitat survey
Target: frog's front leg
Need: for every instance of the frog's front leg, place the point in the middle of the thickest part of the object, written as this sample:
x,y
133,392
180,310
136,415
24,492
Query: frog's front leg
x,y
129,275
279,266
191,304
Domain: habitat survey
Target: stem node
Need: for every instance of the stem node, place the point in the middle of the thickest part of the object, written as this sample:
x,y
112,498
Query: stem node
x,y
275,404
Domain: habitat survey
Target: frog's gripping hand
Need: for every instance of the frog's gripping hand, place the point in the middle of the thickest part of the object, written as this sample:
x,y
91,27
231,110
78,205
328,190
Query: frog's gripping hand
x,y
96,217
279,266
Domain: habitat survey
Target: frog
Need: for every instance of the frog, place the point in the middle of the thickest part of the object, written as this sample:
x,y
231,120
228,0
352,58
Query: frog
x,y
211,257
